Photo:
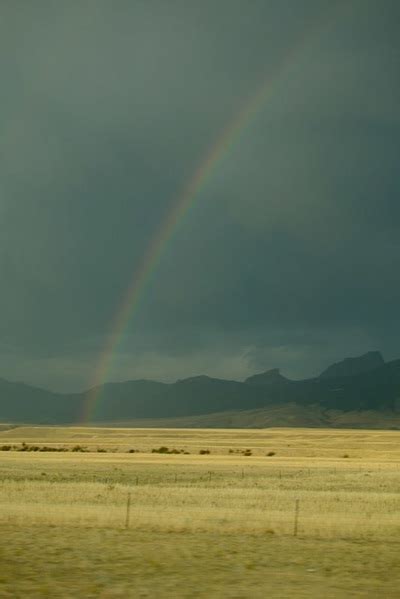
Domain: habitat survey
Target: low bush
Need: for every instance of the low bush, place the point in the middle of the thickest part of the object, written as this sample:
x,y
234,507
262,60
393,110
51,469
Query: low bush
x,y
26,447
166,450
78,448
162,449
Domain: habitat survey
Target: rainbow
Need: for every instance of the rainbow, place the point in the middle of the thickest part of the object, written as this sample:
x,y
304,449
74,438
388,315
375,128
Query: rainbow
x,y
185,201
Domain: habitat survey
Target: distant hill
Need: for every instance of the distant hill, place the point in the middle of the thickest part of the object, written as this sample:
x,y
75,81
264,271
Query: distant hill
x,y
354,366
24,403
288,415
356,385
270,377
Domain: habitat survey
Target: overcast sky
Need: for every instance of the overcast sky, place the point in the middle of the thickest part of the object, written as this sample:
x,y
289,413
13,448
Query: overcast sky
x,y
290,255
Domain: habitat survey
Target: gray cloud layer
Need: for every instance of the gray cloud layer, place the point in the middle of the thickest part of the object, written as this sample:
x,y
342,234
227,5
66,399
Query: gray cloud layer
x,y
290,254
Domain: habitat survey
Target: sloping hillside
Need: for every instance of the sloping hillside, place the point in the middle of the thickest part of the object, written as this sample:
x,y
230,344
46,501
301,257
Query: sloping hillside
x,y
289,415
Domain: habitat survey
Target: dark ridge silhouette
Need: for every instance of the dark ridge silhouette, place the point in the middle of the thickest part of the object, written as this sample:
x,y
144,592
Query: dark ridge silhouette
x,y
354,387
354,366
270,377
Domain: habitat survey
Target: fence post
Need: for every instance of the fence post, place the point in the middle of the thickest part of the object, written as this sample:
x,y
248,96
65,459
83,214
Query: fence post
x,y
128,509
296,517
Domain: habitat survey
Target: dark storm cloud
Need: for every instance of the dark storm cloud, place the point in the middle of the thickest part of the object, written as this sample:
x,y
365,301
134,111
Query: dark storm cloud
x,y
290,254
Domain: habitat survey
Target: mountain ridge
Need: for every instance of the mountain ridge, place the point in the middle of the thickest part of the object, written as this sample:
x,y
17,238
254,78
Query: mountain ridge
x,y
355,388
354,366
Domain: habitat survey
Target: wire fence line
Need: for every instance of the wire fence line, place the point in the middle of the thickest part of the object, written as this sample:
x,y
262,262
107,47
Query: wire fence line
x,y
140,507
300,524
356,501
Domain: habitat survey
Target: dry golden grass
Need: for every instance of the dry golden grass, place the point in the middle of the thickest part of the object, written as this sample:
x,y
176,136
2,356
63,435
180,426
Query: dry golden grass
x,y
218,498
68,562
361,445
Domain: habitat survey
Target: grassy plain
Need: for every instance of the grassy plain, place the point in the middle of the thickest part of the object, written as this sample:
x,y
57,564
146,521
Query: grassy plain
x,y
212,525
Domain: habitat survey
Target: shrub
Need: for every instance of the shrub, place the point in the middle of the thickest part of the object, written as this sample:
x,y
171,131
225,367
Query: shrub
x,y
247,452
271,453
5,448
131,450
161,449
78,448
166,450
204,451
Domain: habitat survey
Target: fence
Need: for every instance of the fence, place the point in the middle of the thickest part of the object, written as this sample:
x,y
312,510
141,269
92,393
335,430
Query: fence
x,y
305,503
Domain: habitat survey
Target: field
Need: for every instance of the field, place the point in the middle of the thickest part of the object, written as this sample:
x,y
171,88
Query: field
x,y
272,512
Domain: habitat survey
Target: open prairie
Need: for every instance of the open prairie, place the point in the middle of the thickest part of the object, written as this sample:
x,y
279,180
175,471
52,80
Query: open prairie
x,y
277,512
